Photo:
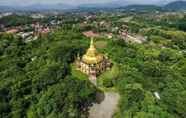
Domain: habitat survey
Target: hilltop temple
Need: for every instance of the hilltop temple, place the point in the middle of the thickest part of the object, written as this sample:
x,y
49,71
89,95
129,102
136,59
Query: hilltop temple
x,y
93,63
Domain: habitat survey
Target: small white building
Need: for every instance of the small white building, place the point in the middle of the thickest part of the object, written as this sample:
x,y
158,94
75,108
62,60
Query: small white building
x,y
156,94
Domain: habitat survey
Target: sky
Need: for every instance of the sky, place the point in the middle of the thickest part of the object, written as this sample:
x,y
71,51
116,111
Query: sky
x,y
77,2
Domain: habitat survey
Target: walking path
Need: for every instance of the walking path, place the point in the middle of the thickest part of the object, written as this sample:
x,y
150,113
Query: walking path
x,y
93,80
133,39
107,107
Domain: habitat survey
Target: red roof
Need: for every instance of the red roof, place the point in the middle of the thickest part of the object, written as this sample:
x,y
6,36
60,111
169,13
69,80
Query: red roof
x,y
12,31
109,34
46,30
90,34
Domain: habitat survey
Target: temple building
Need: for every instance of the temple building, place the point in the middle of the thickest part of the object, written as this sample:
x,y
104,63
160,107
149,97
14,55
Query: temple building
x,y
93,63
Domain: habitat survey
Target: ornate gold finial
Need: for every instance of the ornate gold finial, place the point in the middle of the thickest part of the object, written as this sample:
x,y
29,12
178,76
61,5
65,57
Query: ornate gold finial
x,y
92,43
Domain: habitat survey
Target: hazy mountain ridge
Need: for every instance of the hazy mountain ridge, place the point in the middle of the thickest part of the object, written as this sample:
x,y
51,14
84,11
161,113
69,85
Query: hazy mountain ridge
x,y
142,7
6,8
176,5
37,7
115,4
43,7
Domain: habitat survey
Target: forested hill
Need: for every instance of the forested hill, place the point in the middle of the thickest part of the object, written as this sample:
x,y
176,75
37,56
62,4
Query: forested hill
x,y
142,8
177,5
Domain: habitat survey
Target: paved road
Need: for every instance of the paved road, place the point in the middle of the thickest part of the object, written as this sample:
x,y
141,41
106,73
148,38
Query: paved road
x,y
106,108
93,80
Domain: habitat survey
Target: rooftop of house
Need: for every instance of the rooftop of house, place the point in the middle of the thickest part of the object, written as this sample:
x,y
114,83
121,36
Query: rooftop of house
x,y
90,34
12,31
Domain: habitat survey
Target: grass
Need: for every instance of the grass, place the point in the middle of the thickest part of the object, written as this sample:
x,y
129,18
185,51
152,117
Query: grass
x,y
126,19
101,44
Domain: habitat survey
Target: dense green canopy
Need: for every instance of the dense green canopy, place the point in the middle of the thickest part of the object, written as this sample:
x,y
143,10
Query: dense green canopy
x,y
36,79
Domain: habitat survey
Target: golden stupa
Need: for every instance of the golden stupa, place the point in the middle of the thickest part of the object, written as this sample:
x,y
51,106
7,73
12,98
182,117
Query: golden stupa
x,y
92,56
93,63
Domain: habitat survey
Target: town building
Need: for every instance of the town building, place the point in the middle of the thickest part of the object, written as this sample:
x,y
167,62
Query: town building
x,y
12,31
90,34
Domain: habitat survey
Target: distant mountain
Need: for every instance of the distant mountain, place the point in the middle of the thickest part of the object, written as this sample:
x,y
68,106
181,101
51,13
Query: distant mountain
x,y
142,8
177,5
114,4
37,7
98,6
5,8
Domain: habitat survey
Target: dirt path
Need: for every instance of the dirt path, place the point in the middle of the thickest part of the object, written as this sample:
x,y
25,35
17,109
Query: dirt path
x,y
107,107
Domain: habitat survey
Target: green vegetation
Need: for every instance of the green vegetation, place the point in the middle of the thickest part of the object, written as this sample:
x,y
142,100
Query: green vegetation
x,y
14,20
108,79
38,79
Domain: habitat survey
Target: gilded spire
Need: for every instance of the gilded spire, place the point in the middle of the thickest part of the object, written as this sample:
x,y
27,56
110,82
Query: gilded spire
x,y
92,50
92,56
92,43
